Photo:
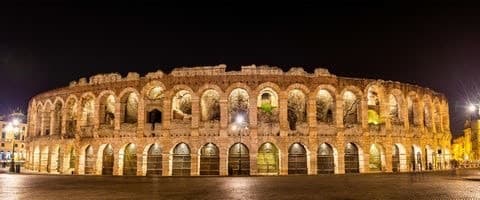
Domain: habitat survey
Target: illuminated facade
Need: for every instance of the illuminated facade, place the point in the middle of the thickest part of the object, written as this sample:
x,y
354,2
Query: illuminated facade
x,y
257,121
466,148
6,143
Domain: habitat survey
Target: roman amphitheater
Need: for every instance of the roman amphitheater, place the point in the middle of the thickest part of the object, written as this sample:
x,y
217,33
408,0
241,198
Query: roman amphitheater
x,y
256,121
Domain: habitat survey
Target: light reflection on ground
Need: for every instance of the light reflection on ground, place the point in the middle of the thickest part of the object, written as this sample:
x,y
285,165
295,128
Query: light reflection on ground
x,y
438,185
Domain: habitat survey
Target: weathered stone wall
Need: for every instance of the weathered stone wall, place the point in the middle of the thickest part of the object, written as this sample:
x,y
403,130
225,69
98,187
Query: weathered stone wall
x,y
183,115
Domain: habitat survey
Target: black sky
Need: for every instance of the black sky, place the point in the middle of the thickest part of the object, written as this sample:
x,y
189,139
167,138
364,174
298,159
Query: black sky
x,y
47,45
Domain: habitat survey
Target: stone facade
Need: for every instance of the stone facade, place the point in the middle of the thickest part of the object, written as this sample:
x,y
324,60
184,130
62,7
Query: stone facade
x,y
7,142
193,121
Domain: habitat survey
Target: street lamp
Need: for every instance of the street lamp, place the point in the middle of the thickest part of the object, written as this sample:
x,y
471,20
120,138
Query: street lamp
x,y
240,125
474,111
13,128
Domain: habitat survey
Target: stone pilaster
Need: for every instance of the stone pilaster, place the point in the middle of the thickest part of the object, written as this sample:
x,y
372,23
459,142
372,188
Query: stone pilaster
x,y
223,117
166,167
223,162
167,113
283,113
195,164
141,117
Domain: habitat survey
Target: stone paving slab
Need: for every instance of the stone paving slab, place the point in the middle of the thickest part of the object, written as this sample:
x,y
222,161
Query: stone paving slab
x,y
432,185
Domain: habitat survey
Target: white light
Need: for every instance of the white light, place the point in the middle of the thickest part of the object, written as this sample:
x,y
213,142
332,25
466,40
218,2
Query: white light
x,y
239,119
471,108
9,127
16,122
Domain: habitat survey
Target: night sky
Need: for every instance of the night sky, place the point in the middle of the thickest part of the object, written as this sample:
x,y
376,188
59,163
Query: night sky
x,y
45,47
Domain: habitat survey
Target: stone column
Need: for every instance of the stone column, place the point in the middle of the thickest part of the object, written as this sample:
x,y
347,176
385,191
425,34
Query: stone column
x,y
339,112
363,113
195,114
96,119
79,119
223,116
141,117
365,162
166,164
117,163
42,123
167,112
340,157
63,130
53,121
223,162
388,156
140,161
312,117
253,162
194,164
312,164
118,116
283,164
252,116
283,113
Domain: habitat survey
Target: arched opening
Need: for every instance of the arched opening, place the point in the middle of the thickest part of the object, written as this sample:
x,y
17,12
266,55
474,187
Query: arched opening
x,y
325,107
209,160
376,160
55,159
181,160
154,107
267,159
71,118
296,109
154,117
413,110
429,158
394,110
350,109
437,118
36,158
107,111
154,160
238,160
416,158
38,120
325,160
44,165
72,159
373,103
351,159
395,159
130,160
88,108
267,106
107,160
297,159
57,117
46,118
129,108
182,106
210,105
238,104
427,120
89,160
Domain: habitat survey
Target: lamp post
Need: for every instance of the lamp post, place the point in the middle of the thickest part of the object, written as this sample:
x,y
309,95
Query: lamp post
x,y
241,125
13,128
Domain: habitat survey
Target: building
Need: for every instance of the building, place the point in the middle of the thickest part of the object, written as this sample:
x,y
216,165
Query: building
x,y
466,148
7,142
257,121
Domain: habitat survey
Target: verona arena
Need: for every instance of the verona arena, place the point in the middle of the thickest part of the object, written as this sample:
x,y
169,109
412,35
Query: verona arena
x,y
256,121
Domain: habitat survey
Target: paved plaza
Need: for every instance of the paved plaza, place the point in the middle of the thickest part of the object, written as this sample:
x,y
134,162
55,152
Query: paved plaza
x,y
453,184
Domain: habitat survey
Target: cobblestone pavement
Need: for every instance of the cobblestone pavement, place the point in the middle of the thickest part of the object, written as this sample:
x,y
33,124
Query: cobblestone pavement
x,y
438,185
